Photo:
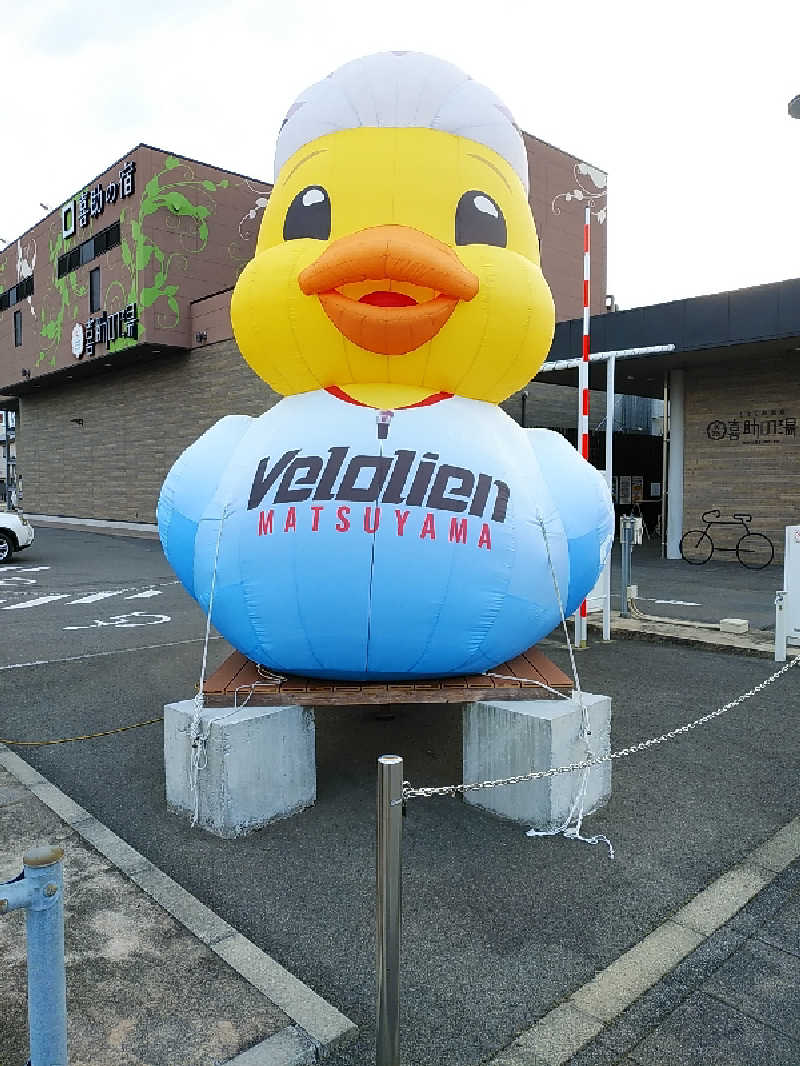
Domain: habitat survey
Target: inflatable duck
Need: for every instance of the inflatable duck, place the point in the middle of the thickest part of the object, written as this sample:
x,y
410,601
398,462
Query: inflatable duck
x,y
386,520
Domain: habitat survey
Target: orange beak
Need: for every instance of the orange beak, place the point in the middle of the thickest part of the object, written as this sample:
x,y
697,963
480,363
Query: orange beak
x,y
384,322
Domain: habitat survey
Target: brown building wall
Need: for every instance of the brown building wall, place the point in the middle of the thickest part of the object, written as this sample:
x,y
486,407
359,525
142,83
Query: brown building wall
x,y
212,317
187,230
554,173
136,422
755,474
204,233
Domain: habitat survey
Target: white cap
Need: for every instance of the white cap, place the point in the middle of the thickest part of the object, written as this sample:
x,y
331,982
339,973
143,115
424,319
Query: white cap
x,y
399,90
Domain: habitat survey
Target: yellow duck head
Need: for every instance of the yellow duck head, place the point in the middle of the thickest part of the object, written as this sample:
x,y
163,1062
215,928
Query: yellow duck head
x,y
398,256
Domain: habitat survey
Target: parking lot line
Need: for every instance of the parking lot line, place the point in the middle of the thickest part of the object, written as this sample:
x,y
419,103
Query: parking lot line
x,y
34,603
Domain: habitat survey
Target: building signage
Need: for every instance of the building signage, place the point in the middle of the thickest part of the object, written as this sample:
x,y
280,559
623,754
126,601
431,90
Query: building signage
x,y
91,203
106,328
759,426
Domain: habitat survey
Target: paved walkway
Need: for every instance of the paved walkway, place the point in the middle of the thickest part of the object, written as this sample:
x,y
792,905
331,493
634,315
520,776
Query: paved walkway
x,y
731,1002
154,978
714,985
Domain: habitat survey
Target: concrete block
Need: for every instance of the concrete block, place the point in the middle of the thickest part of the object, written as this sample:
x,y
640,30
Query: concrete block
x,y
734,625
260,765
504,739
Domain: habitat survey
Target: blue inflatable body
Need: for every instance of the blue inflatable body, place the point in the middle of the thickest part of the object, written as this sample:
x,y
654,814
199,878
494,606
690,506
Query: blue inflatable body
x,y
352,543
386,520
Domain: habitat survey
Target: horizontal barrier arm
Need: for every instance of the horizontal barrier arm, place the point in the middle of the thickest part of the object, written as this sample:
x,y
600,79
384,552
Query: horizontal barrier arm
x,y
15,895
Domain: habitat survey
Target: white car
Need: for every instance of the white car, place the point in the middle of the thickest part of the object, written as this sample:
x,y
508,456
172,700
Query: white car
x,y
16,533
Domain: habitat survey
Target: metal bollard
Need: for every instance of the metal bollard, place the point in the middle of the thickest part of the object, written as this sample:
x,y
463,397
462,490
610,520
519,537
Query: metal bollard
x,y
40,893
780,627
626,524
388,909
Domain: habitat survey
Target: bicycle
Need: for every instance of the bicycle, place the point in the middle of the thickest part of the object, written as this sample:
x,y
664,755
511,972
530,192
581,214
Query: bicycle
x,y
753,550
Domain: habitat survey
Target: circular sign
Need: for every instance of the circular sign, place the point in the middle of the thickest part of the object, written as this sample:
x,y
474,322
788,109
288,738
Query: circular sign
x,y
78,340
716,430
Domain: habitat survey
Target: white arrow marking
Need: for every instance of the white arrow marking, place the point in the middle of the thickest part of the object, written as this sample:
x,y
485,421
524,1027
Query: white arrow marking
x,y
143,595
33,603
95,596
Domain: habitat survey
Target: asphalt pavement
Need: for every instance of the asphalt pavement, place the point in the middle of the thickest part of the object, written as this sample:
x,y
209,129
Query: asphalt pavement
x,y
499,928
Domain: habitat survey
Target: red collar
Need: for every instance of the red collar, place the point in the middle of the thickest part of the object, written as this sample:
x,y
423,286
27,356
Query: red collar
x,y
340,394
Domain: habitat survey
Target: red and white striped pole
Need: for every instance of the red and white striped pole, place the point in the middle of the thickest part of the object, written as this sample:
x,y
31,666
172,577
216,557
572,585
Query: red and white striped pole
x,y
583,421
583,390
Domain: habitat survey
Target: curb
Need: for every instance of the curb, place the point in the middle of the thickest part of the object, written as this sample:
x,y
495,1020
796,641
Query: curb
x,y
569,1027
689,636
318,1029
94,525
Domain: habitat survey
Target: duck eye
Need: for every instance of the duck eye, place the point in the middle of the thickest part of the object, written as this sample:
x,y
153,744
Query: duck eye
x,y
479,220
309,215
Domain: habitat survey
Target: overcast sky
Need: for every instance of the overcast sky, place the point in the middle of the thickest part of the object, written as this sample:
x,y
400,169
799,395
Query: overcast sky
x,y
682,103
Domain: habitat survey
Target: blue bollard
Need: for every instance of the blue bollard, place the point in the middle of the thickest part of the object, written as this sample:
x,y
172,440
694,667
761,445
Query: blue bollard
x,y
39,891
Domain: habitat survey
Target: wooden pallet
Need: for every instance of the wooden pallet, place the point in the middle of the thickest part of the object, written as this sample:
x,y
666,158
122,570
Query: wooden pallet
x,y
239,680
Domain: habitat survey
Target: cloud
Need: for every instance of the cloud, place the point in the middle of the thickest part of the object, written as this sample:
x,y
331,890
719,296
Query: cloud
x,y
686,113
69,28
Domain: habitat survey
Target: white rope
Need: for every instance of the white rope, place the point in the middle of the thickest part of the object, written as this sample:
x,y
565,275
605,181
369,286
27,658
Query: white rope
x,y
269,680
197,738
523,681
571,827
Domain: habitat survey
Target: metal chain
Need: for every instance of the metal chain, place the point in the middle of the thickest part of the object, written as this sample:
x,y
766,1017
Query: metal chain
x,y
596,760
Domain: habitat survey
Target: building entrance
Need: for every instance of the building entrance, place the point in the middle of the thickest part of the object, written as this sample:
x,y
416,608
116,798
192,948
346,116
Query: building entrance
x,y
637,472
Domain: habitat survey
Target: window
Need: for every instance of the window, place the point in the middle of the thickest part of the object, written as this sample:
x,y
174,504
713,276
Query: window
x,y
95,302
16,293
17,329
84,253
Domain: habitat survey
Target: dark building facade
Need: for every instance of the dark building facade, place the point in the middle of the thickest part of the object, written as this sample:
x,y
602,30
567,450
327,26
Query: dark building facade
x,y
732,391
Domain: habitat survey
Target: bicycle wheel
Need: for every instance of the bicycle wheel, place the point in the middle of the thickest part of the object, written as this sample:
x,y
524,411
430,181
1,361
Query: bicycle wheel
x,y
696,547
755,551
